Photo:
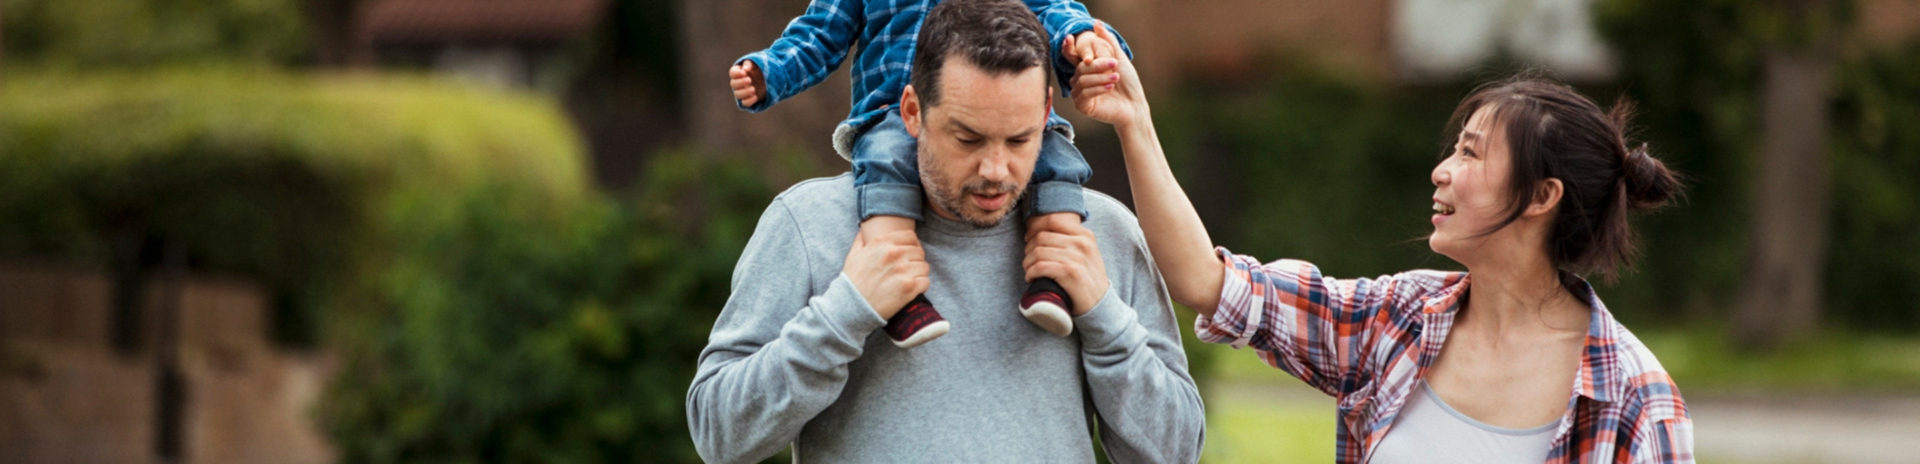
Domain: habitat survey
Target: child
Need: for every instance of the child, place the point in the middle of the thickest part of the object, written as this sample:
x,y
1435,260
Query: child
x,y
876,141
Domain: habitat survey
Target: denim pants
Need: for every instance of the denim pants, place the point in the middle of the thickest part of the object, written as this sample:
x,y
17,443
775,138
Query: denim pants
x,y
886,173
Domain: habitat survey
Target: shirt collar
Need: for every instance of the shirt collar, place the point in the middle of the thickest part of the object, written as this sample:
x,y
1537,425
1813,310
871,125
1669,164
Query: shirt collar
x,y
1600,377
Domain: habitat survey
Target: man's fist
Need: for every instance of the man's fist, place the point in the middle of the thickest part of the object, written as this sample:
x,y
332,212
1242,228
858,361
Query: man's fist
x,y
889,269
1066,251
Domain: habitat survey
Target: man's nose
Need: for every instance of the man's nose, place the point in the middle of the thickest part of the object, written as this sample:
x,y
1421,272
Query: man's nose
x,y
995,166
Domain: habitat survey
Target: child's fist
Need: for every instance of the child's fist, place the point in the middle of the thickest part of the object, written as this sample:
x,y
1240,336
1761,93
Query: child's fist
x,y
747,82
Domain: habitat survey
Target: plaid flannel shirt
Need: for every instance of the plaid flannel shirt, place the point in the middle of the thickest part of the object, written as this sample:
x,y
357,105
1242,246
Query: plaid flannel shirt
x,y
815,43
1367,342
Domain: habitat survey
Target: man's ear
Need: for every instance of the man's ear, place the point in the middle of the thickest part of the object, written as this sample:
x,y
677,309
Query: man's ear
x,y
910,110
1049,99
1546,195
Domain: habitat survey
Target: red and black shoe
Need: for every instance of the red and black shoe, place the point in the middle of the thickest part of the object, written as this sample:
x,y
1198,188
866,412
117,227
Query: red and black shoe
x,y
1046,305
916,323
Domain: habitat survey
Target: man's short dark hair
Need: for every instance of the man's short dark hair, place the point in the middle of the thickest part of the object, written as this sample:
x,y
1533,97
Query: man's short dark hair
x,y
999,36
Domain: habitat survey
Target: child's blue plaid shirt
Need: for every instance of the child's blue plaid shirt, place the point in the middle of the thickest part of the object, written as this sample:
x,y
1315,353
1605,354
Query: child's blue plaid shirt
x,y
815,43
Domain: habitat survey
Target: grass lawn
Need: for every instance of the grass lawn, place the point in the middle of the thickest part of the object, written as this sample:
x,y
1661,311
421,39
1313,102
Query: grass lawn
x,y
1256,413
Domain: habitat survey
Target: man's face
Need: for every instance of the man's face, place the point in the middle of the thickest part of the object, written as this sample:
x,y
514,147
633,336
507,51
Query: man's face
x,y
978,147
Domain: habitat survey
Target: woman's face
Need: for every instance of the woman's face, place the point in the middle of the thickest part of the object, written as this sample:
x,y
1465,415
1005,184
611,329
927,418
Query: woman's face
x,y
1470,194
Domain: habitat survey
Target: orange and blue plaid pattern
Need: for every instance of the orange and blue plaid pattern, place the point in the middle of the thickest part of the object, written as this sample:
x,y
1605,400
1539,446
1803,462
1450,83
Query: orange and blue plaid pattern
x,y
1367,342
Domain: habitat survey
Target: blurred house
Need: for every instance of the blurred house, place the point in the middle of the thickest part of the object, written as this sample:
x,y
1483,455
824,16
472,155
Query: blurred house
x,y
574,49
556,47
506,43
1405,41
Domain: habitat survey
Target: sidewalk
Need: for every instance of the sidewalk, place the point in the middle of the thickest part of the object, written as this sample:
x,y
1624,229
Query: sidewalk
x,y
1803,429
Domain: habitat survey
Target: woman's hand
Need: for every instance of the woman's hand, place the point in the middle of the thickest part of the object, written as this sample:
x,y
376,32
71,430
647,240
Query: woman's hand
x,y
1108,89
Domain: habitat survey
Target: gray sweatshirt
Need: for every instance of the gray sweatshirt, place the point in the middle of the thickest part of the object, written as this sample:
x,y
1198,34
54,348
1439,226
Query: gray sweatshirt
x,y
797,357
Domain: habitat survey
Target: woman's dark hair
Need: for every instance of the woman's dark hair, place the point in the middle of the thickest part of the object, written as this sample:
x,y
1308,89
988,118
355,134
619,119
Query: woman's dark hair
x,y
1554,132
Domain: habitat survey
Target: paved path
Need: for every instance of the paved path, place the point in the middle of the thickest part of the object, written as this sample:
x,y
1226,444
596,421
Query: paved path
x,y
1790,429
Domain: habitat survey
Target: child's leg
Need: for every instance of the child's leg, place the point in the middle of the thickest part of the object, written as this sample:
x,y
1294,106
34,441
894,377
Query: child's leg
x,y
1057,196
886,179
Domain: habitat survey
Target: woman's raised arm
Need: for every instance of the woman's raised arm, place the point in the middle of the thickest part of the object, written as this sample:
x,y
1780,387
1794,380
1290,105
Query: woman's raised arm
x,y
1109,90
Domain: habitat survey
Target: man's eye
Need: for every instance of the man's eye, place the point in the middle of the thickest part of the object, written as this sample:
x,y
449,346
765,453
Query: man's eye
x,y
967,141
1022,141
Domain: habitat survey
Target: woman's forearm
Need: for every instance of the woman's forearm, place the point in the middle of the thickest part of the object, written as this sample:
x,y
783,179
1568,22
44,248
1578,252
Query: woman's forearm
x,y
1175,235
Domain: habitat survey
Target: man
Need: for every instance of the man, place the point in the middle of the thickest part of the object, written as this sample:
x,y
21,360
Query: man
x,y
797,356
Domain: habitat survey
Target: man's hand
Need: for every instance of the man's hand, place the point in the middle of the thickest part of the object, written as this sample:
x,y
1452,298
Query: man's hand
x,y
1067,252
747,82
1108,89
888,269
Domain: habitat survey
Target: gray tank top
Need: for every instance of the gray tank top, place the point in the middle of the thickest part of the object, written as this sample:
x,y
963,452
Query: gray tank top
x,y
1429,431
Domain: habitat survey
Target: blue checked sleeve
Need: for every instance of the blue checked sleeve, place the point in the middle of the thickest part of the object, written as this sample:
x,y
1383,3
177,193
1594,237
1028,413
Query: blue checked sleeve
x,y
1064,18
811,47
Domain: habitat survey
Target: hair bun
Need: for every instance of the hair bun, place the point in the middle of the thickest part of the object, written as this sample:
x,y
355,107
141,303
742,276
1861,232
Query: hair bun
x,y
1647,181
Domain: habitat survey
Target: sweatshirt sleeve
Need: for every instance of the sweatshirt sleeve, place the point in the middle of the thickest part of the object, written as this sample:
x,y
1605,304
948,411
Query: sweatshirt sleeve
x,y
810,48
778,354
1149,408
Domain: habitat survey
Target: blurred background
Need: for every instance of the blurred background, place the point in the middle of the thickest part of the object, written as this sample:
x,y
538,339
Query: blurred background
x,y
499,230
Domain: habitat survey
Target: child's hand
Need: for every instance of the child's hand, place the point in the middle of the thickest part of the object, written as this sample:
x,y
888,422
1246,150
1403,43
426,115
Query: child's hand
x,y
1087,46
748,84
1086,49
1108,89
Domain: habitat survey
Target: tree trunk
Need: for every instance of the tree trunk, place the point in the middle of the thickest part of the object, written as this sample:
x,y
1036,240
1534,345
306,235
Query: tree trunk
x,y
1787,257
335,25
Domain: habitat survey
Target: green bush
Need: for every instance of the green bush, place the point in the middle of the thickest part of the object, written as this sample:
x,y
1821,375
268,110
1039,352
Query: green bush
x,y
288,180
1876,210
1697,74
518,336
1313,166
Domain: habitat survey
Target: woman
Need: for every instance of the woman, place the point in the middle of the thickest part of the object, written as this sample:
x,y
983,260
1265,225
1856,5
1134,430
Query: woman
x,y
1514,360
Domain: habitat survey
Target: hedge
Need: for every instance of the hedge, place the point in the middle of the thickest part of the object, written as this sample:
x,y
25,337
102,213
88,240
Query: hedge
x,y
287,179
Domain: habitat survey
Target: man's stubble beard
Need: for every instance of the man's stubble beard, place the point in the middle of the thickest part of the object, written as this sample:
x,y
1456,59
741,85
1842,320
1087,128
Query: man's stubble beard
x,y
954,203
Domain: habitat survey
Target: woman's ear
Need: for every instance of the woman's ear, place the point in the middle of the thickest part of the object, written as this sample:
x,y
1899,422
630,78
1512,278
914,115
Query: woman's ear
x,y
910,111
1546,195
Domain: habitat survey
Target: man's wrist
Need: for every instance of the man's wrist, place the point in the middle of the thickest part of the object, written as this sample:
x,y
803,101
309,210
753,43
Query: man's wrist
x,y
1086,305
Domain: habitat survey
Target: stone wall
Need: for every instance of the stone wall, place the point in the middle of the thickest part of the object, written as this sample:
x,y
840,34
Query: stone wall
x,y
67,396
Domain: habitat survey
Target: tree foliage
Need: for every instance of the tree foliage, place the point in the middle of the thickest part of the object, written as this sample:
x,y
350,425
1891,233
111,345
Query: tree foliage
x,y
137,33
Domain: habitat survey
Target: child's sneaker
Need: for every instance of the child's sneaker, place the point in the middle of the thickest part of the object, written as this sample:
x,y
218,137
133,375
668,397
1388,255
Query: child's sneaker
x,y
1045,304
916,323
